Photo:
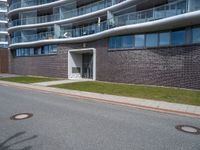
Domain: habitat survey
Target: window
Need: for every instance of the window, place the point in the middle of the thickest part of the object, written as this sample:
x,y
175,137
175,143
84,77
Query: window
x,y
139,41
196,35
164,39
47,49
127,41
178,37
31,51
152,40
121,42
112,42
118,42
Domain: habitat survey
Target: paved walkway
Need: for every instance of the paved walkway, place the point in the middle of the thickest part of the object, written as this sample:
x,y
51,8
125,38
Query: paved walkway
x,y
181,109
51,83
6,75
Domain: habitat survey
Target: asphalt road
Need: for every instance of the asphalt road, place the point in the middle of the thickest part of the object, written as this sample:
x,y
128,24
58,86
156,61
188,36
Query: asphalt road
x,y
65,123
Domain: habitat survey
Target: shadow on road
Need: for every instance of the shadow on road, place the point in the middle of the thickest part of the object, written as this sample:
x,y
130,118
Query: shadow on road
x,y
7,144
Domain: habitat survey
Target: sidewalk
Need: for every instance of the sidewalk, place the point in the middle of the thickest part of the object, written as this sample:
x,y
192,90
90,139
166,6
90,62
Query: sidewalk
x,y
51,83
7,75
180,109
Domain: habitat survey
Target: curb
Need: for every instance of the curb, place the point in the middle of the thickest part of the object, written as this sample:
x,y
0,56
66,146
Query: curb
x,y
80,95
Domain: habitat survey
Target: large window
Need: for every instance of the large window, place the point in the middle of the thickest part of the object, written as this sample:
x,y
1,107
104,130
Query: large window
x,y
164,39
128,41
196,35
152,40
112,42
44,50
139,41
121,42
178,37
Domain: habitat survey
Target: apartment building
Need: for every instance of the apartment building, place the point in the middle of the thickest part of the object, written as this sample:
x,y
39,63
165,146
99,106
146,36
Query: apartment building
x,y
3,37
153,42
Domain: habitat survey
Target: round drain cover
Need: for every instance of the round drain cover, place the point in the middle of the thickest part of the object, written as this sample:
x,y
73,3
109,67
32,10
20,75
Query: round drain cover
x,y
21,116
188,129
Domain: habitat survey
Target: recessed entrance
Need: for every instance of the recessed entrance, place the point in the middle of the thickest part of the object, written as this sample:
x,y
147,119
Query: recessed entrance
x,y
87,65
82,64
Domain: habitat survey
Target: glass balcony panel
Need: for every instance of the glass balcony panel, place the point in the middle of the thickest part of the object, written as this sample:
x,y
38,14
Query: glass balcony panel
x,y
160,12
67,14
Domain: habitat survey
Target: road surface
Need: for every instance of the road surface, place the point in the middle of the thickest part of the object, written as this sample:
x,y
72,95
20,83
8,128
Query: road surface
x,y
66,123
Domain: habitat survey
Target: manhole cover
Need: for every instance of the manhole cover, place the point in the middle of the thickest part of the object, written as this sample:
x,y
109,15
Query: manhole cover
x,y
188,129
21,116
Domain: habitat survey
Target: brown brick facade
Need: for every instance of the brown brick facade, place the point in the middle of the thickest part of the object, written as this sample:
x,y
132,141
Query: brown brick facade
x,y
3,60
49,65
177,66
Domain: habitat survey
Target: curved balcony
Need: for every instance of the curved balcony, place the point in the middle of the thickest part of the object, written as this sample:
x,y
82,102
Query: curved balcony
x,y
3,16
3,44
3,29
146,17
93,7
3,6
28,3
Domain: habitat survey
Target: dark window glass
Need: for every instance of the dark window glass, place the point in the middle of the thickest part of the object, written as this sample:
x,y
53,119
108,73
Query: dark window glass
x,y
118,42
196,35
152,40
54,48
35,51
128,41
121,42
178,38
31,51
164,39
112,42
139,41
48,49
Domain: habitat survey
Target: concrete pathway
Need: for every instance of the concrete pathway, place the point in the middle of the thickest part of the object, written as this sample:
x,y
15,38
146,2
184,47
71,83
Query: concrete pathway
x,y
6,75
160,106
51,83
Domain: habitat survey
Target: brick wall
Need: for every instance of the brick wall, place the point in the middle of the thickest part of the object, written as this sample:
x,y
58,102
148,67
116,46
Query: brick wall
x,y
177,66
3,60
49,65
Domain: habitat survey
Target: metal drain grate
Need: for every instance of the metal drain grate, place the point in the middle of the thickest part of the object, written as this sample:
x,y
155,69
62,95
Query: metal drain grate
x,y
21,116
188,129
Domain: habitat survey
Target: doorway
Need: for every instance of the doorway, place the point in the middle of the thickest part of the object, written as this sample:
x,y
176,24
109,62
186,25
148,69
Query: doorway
x,y
87,65
82,64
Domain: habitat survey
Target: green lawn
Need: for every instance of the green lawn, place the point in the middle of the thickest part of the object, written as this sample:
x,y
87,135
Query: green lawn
x,y
173,95
27,79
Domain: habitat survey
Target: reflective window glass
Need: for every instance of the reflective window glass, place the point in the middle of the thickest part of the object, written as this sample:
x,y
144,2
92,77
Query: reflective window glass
x,y
152,40
128,41
178,37
196,35
164,39
139,41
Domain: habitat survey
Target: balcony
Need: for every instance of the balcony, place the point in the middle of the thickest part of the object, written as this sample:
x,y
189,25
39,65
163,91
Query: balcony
x,y
3,16
3,29
3,7
164,11
28,3
65,15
